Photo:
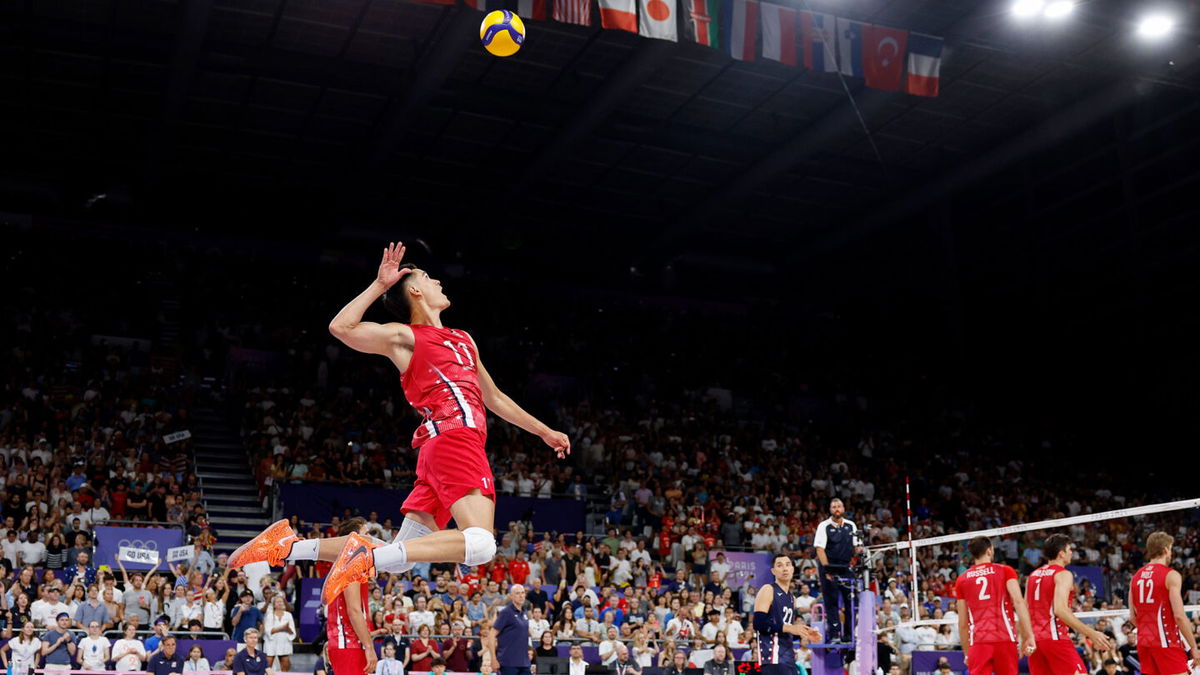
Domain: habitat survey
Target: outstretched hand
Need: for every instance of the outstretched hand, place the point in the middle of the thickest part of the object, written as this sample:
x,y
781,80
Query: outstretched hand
x,y
389,268
559,442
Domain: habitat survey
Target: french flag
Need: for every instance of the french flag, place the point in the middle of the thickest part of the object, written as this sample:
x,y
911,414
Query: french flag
x,y
924,64
741,17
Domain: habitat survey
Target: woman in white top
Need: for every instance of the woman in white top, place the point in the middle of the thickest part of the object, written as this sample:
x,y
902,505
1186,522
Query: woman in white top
x,y
214,611
195,660
25,648
643,653
129,652
93,650
281,631
185,611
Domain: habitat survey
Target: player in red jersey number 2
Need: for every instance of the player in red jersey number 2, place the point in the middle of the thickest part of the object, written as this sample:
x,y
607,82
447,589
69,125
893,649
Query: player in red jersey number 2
x,y
445,380
1048,594
1156,608
988,596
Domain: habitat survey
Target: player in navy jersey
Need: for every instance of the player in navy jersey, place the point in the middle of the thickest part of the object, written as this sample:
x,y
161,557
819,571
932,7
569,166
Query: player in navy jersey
x,y
774,613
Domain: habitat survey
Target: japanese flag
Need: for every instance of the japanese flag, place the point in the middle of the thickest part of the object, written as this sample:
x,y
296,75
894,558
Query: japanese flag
x,y
658,20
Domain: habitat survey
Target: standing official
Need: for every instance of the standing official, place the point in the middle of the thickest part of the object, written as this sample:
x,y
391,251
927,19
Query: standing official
x,y
834,541
512,634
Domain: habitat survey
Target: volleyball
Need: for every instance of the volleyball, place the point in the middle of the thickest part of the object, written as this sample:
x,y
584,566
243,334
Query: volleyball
x,y
502,32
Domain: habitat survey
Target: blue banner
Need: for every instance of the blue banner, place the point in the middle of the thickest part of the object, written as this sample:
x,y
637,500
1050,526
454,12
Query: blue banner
x,y
109,540
753,568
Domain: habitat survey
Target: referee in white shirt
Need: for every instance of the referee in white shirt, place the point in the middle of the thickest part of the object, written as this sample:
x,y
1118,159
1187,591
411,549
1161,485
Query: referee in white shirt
x,y
834,541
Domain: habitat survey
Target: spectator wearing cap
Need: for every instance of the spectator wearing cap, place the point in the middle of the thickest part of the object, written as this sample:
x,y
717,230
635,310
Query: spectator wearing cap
x,y
245,616
168,660
162,628
44,610
251,660
58,644
456,650
512,634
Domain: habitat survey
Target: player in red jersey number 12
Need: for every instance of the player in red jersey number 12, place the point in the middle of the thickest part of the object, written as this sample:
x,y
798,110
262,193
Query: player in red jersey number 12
x,y
1156,608
444,379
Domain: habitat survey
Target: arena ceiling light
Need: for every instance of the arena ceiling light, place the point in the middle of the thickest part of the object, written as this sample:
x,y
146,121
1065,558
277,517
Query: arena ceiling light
x,y
1058,9
1156,26
1025,9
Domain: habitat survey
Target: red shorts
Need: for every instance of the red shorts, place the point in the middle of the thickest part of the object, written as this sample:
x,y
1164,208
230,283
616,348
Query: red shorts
x,y
449,466
985,658
1162,660
347,661
1055,657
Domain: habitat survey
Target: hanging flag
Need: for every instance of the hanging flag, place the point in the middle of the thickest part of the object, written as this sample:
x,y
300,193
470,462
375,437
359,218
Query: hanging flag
x,y
883,56
619,14
818,35
924,64
437,2
657,20
740,18
578,12
850,46
532,9
486,5
702,22
778,33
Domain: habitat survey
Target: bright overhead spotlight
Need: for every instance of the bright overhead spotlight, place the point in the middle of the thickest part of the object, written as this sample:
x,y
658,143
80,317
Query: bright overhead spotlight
x,y
1027,8
1059,8
1155,26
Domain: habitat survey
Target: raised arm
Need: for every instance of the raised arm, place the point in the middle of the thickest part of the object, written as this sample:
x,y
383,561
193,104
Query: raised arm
x,y
366,336
507,409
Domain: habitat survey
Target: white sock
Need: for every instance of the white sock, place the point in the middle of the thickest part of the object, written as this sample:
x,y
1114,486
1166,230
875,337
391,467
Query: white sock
x,y
409,529
305,549
391,558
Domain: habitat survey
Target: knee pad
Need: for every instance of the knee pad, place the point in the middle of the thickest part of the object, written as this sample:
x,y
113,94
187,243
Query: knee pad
x,y
480,545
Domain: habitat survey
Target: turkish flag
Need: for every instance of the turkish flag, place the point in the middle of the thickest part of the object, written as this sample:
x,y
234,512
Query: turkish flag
x,y
883,52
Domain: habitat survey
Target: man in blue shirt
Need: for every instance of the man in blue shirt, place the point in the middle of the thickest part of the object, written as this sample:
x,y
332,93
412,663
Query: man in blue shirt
x,y
251,660
58,644
512,634
166,662
154,642
244,616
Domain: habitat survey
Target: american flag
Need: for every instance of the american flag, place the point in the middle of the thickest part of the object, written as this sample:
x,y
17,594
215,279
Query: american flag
x,y
578,12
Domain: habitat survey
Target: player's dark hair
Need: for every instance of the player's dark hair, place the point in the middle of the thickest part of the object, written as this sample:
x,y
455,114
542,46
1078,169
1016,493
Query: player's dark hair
x,y
1055,544
978,547
395,300
777,556
350,525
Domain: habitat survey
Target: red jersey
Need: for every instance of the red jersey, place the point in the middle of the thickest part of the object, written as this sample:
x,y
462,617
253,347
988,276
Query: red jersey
x,y
1039,595
989,607
1156,625
337,624
518,571
442,382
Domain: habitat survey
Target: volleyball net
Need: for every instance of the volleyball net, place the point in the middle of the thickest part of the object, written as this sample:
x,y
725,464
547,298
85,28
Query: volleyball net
x,y
913,545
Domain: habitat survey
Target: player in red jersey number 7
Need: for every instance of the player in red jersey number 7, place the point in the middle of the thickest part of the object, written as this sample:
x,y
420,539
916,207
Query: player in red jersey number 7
x,y
1156,608
988,596
444,379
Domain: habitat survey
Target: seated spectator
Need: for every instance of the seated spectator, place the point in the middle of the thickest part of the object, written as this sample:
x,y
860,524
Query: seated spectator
x,y
195,660
389,665
678,664
94,649
129,652
576,663
424,649
56,553
44,611
721,662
